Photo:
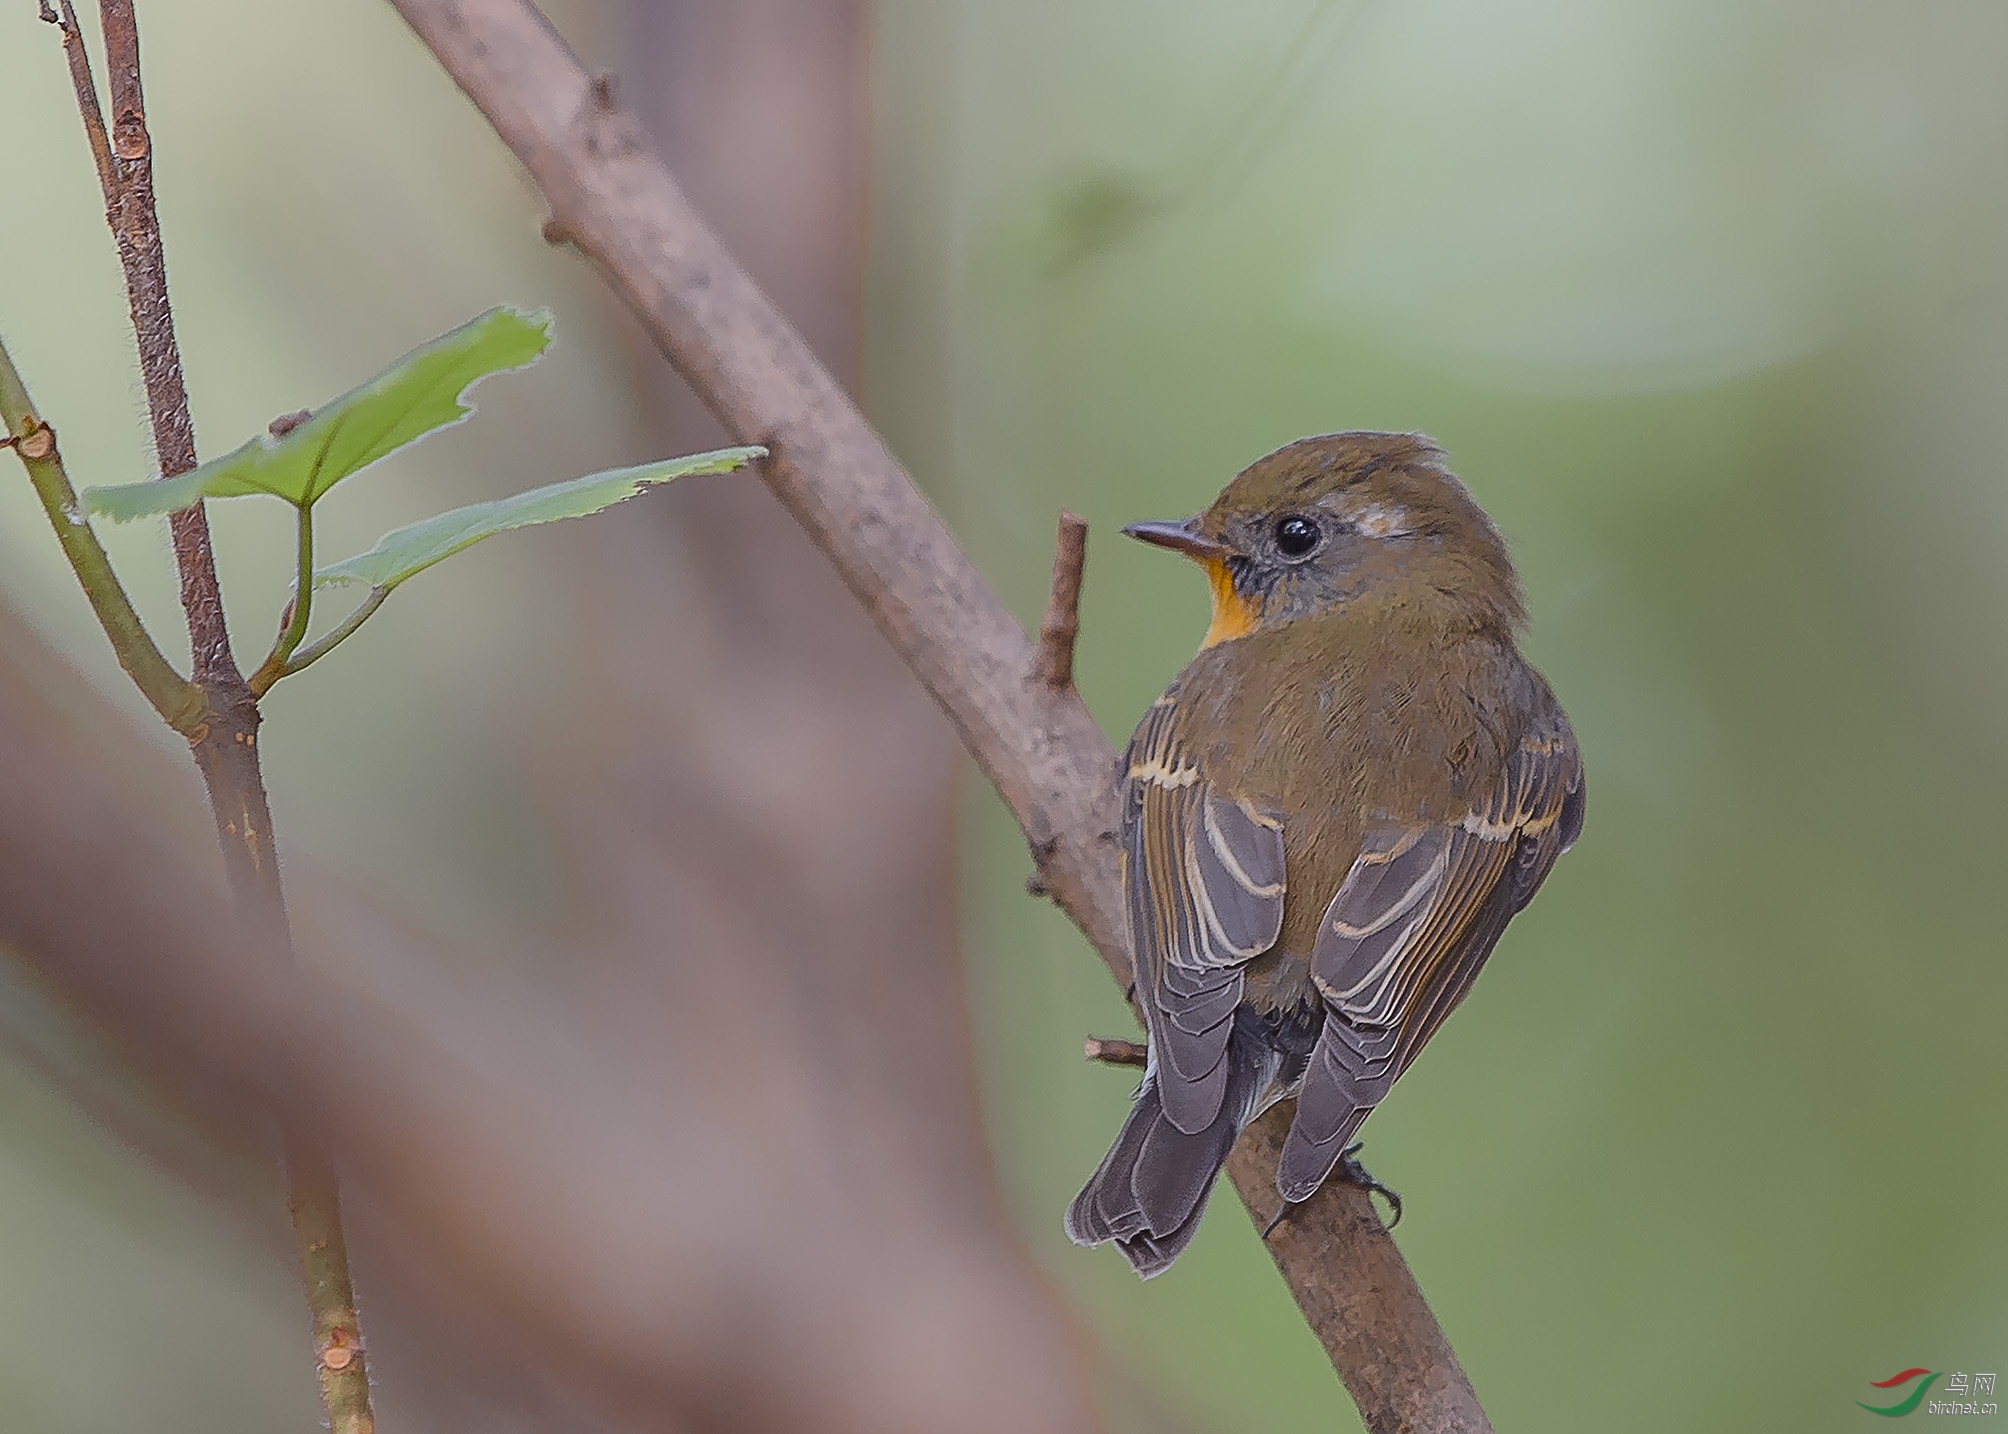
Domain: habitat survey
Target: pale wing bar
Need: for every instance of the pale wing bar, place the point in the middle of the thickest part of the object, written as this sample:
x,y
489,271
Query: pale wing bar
x,y
1205,887
1407,933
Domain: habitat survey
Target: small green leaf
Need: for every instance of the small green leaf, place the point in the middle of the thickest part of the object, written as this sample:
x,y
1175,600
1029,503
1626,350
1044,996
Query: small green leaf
x,y
422,392
417,547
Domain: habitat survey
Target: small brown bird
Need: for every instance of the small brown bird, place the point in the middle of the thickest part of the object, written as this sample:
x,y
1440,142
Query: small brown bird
x,y
1328,818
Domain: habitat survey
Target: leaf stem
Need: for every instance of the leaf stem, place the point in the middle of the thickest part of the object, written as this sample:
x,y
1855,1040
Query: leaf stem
x,y
180,702
299,612
308,656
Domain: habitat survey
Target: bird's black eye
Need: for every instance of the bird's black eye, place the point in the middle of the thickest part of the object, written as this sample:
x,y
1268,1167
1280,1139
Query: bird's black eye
x,y
1296,535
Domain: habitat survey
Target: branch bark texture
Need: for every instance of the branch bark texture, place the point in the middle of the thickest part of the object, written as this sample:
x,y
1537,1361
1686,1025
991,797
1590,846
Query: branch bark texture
x,y
613,198
124,157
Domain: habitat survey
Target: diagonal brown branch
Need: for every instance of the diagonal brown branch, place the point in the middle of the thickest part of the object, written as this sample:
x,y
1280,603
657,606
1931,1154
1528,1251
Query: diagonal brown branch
x,y
612,197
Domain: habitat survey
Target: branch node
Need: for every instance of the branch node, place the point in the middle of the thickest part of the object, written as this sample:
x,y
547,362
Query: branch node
x,y
557,232
38,442
340,1350
129,139
1044,847
604,96
1053,662
1114,1051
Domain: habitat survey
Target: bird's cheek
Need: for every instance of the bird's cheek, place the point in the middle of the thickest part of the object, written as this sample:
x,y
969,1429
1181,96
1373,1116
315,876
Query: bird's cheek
x,y
1233,614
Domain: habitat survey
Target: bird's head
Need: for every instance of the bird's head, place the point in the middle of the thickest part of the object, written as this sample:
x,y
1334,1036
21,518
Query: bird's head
x,y
1327,520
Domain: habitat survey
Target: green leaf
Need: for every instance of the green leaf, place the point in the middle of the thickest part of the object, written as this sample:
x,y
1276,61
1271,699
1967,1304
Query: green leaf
x,y
422,392
417,547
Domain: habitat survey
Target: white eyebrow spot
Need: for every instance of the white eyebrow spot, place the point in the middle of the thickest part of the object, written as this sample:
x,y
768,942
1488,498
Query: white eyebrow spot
x,y
1381,520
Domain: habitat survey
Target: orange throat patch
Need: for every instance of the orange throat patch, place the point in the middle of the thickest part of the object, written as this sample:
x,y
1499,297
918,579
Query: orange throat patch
x,y
1233,615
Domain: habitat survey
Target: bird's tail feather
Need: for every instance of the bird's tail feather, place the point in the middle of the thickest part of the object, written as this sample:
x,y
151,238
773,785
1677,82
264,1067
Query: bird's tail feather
x,y
1152,1187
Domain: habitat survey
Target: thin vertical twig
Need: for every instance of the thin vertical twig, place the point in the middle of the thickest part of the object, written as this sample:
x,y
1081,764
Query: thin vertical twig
x,y
87,92
123,152
224,742
1061,625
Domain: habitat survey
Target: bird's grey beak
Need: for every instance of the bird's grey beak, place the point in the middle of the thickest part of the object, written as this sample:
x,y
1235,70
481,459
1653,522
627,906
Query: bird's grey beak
x,y
1180,538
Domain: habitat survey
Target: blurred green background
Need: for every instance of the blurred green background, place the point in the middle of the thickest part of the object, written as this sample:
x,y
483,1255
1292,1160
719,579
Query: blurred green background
x,y
1707,302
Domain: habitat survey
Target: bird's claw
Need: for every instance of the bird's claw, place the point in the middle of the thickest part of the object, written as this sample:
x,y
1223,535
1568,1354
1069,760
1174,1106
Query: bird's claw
x,y
1350,1170
1357,1174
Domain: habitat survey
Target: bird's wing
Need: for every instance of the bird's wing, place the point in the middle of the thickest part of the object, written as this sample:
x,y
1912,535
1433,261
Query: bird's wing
x,y
1408,931
1203,874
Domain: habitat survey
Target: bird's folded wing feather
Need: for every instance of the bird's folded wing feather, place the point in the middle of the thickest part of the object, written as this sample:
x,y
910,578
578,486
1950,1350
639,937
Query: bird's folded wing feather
x,y
1408,931
1203,873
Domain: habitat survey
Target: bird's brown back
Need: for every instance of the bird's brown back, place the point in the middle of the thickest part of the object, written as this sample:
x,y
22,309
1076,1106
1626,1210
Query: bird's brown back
x,y
1397,708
